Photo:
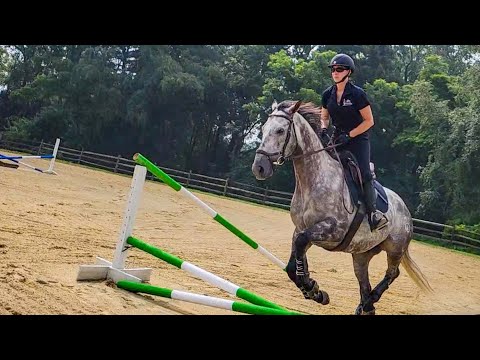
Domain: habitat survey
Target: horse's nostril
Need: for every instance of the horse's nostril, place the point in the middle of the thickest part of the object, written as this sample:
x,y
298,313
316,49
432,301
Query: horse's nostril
x,y
260,169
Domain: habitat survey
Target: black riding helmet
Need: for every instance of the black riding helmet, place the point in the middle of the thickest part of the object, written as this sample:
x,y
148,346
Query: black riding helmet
x,y
343,60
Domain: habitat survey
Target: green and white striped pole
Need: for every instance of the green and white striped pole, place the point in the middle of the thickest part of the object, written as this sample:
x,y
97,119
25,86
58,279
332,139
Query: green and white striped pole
x,y
202,299
202,274
142,160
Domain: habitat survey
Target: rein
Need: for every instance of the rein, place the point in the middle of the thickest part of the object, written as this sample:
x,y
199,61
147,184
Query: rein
x,y
281,159
314,152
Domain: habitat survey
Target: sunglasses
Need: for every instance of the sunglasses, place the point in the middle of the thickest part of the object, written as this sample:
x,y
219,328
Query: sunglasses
x,y
338,69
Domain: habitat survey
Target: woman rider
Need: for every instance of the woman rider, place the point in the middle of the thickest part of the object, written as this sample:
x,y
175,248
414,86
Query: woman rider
x,y
348,107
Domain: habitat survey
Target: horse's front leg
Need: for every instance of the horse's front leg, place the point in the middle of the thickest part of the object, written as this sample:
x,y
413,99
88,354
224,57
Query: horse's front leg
x,y
297,267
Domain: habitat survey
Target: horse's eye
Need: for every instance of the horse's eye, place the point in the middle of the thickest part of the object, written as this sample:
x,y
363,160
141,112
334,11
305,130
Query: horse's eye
x,y
280,131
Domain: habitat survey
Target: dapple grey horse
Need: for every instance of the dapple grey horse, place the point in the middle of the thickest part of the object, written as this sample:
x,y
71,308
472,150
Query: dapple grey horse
x,y
322,209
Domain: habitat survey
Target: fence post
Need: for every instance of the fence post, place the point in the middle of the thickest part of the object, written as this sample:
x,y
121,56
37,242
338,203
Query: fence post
x,y
265,195
40,147
188,178
452,236
116,164
80,158
225,188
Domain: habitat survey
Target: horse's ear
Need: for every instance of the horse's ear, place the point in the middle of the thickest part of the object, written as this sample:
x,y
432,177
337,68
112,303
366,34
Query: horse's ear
x,y
274,105
293,109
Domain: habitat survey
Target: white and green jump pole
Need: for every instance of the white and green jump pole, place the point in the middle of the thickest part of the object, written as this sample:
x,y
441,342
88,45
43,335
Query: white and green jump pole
x,y
202,274
142,160
202,299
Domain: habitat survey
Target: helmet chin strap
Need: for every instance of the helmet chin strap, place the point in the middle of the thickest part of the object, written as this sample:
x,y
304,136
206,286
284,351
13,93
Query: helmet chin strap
x,y
343,79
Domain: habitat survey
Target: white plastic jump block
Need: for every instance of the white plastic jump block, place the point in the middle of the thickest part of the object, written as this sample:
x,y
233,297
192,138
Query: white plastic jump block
x,y
115,270
103,270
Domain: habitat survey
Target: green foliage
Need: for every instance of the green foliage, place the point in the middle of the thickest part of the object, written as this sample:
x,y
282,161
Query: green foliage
x,y
457,223
435,71
452,136
5,64
20,128
391,139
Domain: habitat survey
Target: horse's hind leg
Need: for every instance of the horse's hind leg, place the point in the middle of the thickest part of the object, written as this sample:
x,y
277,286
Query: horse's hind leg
x,y
393,260
360,267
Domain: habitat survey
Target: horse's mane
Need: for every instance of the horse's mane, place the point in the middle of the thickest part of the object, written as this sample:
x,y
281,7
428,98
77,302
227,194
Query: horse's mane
x,y
308,110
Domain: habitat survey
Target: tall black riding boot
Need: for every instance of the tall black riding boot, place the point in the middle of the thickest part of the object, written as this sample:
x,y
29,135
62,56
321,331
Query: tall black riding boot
x,y
376,218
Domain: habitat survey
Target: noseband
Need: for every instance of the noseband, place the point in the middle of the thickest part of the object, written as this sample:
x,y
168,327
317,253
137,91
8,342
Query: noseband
x,y
281,159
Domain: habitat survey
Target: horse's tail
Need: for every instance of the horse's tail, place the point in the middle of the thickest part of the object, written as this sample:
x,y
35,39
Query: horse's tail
x,y
415,273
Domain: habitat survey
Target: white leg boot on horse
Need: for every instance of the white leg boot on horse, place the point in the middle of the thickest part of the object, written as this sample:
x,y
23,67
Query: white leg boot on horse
x,y
376,218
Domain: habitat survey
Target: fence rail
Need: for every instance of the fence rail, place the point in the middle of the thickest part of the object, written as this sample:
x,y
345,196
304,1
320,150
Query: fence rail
x,y
226,187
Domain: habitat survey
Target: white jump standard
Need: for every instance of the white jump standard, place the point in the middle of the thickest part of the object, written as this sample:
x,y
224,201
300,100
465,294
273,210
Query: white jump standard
x,y
115,270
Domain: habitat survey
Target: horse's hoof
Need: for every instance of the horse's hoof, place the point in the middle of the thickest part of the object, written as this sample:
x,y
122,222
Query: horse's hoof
x,y
325,299
315,293
320,296
371,312
361,311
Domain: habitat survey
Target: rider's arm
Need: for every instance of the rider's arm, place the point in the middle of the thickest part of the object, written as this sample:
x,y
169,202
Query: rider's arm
x,y
366,124
325,118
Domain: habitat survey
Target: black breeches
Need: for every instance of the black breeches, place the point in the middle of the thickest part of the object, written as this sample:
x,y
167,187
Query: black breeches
x,y
360,147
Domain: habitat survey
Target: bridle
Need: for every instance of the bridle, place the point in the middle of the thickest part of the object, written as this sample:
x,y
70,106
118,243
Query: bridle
x,y
281,159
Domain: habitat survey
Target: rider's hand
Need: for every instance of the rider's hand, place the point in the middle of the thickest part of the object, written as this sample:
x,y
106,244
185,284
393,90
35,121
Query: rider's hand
x,y
343,138
324,136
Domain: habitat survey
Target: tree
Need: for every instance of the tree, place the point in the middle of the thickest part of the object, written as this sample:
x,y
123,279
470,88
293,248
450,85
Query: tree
x,y
436,71
409,59
391,155
5,64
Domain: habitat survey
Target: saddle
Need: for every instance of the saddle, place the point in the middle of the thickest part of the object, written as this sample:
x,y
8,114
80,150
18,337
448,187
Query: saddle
x,y
354,182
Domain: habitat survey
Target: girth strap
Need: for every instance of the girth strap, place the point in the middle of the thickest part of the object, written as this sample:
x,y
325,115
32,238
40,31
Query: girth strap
x,y
352,230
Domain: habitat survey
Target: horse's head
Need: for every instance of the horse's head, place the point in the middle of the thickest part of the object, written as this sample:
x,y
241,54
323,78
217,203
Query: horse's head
x,y
278,140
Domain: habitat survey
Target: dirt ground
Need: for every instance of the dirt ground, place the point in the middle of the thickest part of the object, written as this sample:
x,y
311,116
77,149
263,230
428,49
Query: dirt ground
x,y
49,225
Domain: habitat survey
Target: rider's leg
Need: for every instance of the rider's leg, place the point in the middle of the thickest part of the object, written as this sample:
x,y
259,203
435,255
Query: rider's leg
x,y
361,149
377,219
